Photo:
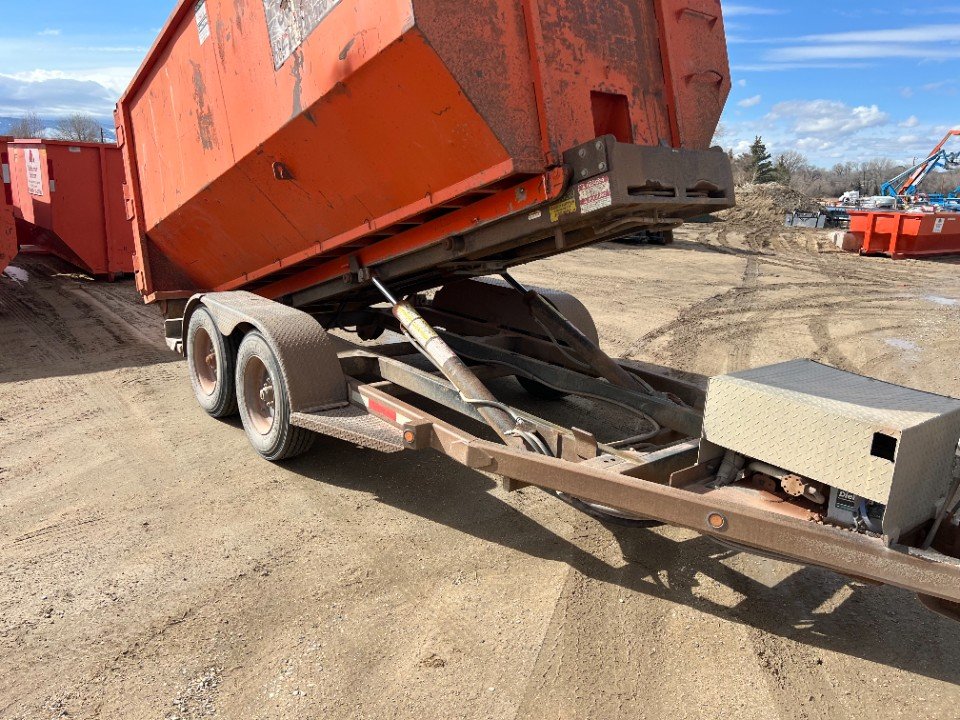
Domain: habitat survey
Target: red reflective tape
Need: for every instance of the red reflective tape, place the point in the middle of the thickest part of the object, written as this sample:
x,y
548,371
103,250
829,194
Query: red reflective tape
x,y
378,408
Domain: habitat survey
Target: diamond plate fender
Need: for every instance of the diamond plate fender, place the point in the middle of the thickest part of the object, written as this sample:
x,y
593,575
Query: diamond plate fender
x,y
305,353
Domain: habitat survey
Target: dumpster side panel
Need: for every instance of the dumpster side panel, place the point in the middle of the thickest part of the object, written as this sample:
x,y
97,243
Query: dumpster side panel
x,y
8,230
119,233
208,104
344,169
30,179
490,58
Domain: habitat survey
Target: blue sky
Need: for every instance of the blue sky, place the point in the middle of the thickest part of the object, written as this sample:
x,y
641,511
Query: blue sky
x,y
843,81
836,81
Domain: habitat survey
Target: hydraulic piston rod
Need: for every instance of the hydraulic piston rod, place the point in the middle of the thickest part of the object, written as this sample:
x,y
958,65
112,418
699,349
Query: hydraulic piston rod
x,y
499,417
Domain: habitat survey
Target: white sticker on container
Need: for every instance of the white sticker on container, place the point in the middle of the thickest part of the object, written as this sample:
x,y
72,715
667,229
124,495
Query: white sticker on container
x,y
595,195
938,225
34,172
535,215
203,21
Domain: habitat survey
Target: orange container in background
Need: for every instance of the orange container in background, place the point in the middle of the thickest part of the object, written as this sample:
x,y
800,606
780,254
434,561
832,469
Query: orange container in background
x,y
68,200
905,235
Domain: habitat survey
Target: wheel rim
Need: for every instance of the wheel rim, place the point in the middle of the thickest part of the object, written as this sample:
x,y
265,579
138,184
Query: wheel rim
x,y
259,396
206,365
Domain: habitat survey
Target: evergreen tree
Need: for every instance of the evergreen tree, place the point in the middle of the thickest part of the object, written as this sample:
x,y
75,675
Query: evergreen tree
x,y
761,163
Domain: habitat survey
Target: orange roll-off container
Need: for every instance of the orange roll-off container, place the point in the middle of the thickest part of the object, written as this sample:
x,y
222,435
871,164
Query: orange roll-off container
x,y
69,203
275,145
8,231
902,235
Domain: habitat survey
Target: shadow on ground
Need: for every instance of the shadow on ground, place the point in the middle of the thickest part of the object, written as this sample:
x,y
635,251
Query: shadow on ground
x,y
880,624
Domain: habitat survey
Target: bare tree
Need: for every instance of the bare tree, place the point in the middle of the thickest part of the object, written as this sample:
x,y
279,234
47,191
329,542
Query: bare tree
x,y
79,127
794,162
28,126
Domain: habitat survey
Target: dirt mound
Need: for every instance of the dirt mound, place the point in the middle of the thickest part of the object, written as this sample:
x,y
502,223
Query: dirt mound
x,y
767,204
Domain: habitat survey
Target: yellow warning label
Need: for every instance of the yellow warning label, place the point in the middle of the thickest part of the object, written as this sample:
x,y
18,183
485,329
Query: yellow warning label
x,y
566,206
415,325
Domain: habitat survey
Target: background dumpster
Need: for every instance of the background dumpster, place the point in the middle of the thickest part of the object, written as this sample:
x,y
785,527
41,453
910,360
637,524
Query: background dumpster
x,y
68,200
906,234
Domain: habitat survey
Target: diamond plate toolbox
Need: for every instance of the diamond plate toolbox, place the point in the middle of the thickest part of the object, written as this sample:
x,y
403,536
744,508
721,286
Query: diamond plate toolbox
x,y
886,443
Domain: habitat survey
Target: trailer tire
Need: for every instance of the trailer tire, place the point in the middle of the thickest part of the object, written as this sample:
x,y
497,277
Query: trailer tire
x,y
264,402
211,359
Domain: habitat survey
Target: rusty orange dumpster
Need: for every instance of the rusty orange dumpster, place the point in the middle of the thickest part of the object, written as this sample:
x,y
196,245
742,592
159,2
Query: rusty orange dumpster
x,y
906,234
68,200
267,146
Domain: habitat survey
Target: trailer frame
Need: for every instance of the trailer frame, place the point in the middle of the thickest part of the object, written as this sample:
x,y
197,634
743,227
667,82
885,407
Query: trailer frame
x,y
390,387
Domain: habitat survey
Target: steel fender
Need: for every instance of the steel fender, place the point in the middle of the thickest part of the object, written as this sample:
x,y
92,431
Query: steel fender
x,y
305,353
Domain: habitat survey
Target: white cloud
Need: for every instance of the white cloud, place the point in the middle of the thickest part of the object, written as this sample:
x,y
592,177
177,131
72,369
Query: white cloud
x,y
922,42
741,83
911,122
861,51
741,10
49,32
54,96
829,118
114,79
751,101
923,34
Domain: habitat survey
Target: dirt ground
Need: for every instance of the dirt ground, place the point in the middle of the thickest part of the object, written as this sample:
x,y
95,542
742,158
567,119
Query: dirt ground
x,y
152,567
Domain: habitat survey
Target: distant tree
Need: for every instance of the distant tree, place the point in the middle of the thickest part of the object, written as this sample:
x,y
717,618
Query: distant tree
x,y
795,162
876,172
761,163
79,127
28,126
781,172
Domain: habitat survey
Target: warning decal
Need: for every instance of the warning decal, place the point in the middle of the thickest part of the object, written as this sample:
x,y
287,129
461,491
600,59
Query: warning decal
x,y
34,172
203,21
938,225
566,206
595,195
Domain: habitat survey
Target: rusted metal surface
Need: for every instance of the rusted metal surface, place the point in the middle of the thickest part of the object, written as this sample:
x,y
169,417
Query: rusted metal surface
x,y
734,516
492,235
69,202
385,116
